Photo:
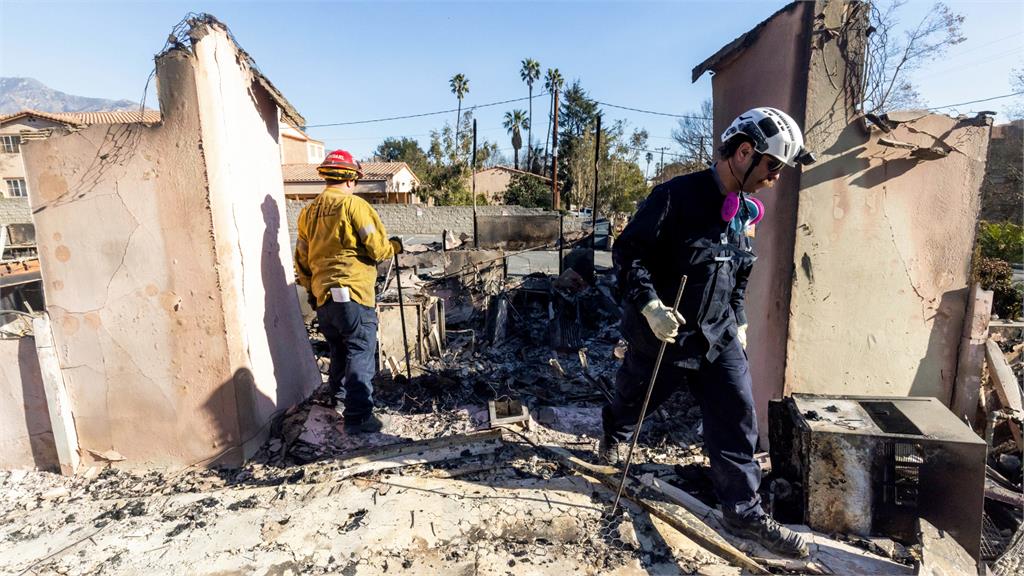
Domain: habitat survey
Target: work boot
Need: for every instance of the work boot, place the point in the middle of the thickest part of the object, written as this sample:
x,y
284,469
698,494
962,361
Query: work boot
x,y
608,451
371,423
767,532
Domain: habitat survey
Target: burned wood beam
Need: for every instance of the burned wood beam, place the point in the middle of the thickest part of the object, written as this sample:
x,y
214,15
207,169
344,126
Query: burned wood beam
x,y
420,452
1005,384
675,516
972,355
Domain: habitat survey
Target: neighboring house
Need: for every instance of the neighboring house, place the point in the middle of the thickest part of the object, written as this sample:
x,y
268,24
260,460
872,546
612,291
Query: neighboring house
x,y
492,182
30,124
382,182
297,147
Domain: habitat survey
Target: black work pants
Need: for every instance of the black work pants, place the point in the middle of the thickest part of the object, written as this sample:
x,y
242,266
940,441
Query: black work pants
x,y
351,331
723,388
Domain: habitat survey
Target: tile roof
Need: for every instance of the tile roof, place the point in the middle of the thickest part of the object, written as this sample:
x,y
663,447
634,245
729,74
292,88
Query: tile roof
x,y
87,118
371,170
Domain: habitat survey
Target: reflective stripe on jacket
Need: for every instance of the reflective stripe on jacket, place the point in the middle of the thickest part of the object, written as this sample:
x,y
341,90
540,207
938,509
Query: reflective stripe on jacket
x,y
340,241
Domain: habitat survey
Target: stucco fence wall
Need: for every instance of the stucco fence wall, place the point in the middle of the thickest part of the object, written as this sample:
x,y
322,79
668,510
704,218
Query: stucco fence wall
x,y
408,220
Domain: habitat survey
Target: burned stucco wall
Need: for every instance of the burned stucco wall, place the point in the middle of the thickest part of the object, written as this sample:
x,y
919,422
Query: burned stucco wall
x,y
240,135
863,257
162,265
26,437
740,83
884,250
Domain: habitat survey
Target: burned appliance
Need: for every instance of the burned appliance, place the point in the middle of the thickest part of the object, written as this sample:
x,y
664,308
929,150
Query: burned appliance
x,y
873,465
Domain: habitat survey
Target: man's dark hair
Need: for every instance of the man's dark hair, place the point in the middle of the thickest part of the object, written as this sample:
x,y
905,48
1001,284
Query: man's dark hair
x,y
727,149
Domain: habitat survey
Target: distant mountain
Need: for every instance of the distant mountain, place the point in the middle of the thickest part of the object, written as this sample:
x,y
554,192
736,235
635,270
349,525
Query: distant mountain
x,y
21,93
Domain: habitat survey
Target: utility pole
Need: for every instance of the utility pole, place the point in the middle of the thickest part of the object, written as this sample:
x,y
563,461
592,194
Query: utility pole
x,y
556,201
597,176
473,168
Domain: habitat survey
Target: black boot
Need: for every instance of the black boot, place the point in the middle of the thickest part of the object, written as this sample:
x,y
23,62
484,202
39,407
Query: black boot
x,y
608,451
767,532
371,423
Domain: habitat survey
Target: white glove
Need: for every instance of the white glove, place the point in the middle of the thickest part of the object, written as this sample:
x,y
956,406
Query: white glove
x,y
664,321
741,334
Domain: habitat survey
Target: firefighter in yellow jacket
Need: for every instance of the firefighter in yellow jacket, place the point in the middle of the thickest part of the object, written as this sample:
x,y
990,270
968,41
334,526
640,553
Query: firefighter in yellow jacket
x,y
341,240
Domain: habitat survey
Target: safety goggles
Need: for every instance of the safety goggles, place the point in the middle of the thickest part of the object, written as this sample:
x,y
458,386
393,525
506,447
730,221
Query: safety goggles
x,y
774,164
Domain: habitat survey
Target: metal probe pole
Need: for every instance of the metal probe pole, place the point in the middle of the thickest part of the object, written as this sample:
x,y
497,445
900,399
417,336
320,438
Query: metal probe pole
x,y
401,313
647,399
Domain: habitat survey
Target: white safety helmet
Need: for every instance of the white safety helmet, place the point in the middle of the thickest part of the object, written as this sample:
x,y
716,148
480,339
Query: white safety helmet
x,y
773,133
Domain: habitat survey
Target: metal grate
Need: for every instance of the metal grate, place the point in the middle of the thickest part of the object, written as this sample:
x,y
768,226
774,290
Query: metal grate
x,y
993,543
903,473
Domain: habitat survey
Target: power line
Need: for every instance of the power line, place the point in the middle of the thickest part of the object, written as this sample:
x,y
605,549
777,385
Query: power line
x,y
439,112
977,101
652,111
489,104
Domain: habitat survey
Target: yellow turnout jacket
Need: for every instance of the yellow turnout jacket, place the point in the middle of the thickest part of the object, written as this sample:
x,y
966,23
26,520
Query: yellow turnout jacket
x,y
341,239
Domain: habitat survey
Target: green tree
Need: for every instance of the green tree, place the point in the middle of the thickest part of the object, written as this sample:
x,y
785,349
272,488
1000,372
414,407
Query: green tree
x,y
529,73
515,120
553,83
403,150
622,182
460,87
528,190
577,112
448,177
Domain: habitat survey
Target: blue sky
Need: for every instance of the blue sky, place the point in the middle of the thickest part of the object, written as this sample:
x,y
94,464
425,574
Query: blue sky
x,y
347,61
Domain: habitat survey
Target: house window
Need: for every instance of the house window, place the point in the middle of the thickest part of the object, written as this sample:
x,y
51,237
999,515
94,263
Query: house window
x,y
11,144
16,187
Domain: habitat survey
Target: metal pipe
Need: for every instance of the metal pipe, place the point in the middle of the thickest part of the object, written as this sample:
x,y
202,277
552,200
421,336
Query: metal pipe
x,y
647,400
556,202
401,314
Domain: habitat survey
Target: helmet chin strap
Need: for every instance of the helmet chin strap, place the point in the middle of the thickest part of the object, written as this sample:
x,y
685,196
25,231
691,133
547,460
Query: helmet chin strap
x,y
754,161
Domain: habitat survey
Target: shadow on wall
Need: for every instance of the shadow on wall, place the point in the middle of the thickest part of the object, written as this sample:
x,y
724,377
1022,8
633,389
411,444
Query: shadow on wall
x,y
849,145
943,347
37,415
233,408
276,288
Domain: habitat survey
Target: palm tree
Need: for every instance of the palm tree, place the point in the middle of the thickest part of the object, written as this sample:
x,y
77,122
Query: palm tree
x,y
460,87
553,82
515,120
529,72
649,157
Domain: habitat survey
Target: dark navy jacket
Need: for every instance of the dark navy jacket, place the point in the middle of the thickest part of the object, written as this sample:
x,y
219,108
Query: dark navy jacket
x,y
678,229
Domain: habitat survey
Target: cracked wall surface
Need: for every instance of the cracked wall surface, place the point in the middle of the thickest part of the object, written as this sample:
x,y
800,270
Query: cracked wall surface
x,y
161,356
889,238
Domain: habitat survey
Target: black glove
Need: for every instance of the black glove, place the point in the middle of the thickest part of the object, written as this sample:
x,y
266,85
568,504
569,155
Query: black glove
x,y
311,299
396,244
